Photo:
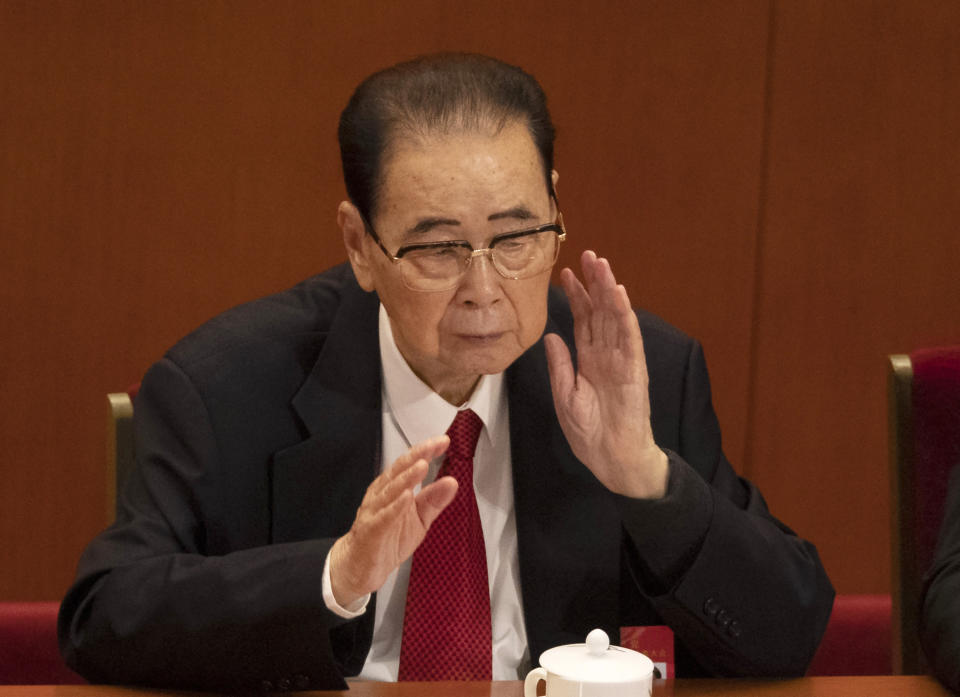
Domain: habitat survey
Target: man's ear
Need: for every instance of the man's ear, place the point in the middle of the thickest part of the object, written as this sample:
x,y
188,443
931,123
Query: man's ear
x,y
554,202
355,240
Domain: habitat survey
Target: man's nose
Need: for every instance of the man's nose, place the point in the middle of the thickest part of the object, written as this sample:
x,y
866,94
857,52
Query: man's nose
x,y
481,284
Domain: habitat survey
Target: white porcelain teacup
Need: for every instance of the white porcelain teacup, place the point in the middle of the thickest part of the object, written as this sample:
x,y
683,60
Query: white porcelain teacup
x,y
593,669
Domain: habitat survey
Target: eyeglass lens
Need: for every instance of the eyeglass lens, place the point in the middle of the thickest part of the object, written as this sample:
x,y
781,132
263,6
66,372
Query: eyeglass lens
x,y
439,267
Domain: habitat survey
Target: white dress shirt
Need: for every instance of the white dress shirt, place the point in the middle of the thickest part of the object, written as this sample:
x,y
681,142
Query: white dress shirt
x,y
413,412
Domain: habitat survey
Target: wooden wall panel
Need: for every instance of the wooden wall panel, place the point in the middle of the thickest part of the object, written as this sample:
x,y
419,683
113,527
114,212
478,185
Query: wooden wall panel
x,y
163,161
667,172
860,258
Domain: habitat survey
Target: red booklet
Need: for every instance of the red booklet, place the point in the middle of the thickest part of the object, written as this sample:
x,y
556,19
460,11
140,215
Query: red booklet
x,y
656,643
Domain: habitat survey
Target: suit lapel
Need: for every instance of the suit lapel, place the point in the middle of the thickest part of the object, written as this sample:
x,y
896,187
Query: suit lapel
x,y
568,529
339,405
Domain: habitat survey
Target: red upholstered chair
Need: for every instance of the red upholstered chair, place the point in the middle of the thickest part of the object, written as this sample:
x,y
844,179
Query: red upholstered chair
x,y
28,646
924,400
857,640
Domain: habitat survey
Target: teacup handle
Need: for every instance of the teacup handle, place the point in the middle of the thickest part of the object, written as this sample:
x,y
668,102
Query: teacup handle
x,y
532,680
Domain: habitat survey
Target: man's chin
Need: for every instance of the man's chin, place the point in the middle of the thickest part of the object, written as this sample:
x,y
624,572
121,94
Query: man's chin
x,y
487,362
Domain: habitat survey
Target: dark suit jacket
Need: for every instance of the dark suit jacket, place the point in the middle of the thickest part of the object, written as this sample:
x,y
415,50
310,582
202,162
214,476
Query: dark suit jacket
x,y
940,616
257,436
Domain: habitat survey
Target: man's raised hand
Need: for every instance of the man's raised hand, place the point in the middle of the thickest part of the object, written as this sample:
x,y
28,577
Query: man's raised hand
x,y
390,523
603,403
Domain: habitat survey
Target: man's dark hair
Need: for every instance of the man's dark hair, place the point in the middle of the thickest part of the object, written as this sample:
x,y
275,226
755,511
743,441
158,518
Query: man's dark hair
x,y
438,94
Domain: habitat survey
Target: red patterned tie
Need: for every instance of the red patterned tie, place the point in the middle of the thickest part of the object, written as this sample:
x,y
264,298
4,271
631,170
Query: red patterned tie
x,y
446,625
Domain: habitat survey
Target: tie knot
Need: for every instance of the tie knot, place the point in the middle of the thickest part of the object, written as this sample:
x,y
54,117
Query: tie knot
x,y
464,433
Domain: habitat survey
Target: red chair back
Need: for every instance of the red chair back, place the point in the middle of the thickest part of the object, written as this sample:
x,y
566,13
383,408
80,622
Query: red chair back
x,y
29,654
924,391
858,638
936,441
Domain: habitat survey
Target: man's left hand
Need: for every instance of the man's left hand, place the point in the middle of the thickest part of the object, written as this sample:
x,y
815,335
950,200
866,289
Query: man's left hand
x,y
603,404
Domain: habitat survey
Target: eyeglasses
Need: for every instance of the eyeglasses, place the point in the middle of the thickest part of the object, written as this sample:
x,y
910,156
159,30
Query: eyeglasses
x,y
439,266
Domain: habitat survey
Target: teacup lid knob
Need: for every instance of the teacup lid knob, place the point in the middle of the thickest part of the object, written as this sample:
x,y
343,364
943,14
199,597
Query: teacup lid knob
x,y
597,642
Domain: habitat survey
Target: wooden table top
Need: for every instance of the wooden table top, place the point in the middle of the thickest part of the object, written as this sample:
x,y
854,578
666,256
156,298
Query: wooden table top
x,y
854,686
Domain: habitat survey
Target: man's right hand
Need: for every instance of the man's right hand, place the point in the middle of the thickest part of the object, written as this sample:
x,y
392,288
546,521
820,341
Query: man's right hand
x,y
390,524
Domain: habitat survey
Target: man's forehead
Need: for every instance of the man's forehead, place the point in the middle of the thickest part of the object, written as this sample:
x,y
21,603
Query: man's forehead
x,y
424,226
452,181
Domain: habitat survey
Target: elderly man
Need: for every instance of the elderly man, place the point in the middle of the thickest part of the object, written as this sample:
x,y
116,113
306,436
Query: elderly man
x,y
398,470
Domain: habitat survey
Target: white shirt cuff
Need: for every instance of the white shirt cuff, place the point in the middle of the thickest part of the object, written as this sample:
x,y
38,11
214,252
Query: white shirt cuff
x,y
357,608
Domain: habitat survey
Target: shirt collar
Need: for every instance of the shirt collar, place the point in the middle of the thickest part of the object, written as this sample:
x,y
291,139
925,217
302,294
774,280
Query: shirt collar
x,y
421,413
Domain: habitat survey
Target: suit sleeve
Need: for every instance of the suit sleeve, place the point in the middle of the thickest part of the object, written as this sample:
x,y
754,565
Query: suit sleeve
x,y
152,605
940,609
740,590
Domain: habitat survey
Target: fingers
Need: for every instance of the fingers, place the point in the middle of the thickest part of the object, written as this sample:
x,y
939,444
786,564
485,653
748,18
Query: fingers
x,y
621,329
560,368
601,308
425,450
435,497
580,306
608,319
597,273
606,296
600,281
404,481
403,475
629,326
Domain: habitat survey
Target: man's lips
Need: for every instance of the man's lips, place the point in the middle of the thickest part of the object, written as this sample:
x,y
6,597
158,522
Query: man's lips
x,y
483,338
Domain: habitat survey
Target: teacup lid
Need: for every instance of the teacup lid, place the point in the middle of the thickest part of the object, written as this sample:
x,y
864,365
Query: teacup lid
x,y
596,661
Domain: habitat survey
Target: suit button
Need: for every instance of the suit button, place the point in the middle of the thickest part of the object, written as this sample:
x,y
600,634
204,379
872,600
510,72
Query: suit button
x,y
711,606
266,686
734,629
301,682
723,619
284,684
